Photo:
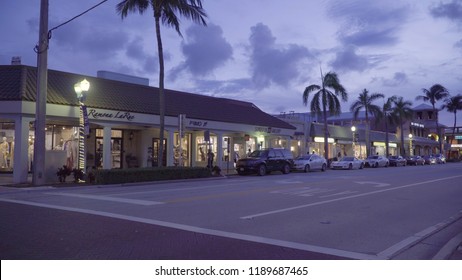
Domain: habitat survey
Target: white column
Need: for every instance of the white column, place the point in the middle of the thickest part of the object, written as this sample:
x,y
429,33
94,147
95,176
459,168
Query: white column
x,y
21,150
219,156
107,153
169,153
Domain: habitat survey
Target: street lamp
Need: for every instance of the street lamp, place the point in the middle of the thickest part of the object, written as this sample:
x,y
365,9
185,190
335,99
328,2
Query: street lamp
x,y
353,131
81,89
410,145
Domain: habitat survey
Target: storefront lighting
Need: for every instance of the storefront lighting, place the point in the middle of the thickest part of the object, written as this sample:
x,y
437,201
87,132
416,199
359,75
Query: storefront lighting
x,y
321,140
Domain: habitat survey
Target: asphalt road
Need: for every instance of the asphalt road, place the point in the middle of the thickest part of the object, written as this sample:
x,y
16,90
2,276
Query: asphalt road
x,y
384,213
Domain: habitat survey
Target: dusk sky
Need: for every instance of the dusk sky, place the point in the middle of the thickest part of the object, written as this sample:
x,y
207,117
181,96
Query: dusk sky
x,y
262,51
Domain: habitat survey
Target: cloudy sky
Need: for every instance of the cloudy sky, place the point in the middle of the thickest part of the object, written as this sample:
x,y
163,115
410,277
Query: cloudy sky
x,y
262,51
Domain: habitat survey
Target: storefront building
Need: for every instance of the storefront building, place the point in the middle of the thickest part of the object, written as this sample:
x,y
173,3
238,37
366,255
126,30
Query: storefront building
x,y
123,125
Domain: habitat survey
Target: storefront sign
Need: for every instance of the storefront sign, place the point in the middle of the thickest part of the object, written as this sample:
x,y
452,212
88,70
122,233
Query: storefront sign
x,y
267,129
95,114
197,123
417,124
382,144
321,140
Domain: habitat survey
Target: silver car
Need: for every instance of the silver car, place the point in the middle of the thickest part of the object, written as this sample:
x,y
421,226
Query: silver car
x,y
376,161
310,162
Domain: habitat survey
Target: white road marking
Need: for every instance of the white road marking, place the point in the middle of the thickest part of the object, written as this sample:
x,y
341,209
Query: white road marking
x,y
377,184
238,236
344,198
337,194
108,198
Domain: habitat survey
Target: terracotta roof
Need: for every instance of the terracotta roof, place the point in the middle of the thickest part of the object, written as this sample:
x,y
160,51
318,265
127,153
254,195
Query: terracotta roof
x,y
18,82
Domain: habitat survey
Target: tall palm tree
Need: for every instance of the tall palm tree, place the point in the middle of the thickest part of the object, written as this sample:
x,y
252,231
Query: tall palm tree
x,y
402,111
165,11
365,101
452,104
325,100
387,117
437,92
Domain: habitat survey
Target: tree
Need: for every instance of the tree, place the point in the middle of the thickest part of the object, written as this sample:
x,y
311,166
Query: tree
x,y
437,92
365,101
387,117
452,104
325,100
165,11
402,112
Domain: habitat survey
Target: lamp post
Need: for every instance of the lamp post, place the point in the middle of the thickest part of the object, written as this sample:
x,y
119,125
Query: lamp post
x,y
410,145
353,131
81,89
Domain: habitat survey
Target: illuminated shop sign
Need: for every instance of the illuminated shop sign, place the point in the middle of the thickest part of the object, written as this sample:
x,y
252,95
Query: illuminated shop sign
x,y
382,144
417,124
267,129
119,115
321,140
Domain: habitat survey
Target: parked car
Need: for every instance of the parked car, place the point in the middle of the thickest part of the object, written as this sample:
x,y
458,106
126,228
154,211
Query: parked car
x,y
440,159
310,162
430,159
376,161
397,161
265,161
415,160
348,163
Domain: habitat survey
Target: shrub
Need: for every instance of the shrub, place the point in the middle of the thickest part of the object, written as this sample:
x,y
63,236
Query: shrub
x,y
147,174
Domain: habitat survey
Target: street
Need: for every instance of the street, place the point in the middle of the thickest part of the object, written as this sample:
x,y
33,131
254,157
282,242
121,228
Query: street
x,y
374,213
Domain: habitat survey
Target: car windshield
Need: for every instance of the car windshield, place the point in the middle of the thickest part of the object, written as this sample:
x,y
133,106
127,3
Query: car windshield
x,y
348,159
304,157
259,153
372,157
394,157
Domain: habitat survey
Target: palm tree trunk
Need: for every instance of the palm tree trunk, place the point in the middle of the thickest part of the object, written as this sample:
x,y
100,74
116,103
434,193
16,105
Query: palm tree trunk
x,y
161,92
326,134
438,130
368,142
403,151
387,151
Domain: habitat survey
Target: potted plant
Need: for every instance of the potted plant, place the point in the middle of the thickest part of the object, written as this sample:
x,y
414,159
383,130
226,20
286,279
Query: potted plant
x,y
78,175
62,173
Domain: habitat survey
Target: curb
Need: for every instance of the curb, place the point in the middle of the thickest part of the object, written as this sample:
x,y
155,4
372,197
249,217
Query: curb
x,y
449,248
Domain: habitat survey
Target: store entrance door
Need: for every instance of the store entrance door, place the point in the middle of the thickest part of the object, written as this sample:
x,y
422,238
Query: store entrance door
x,y
155,152
116,148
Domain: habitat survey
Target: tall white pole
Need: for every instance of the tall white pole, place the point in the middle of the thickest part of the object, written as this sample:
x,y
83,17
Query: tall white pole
x,y
38,177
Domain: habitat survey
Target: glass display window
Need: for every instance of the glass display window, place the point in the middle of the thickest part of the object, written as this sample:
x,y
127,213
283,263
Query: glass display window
x,y
181,150
202,148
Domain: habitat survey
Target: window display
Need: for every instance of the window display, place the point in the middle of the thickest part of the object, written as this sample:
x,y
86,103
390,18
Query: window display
x,y
205,150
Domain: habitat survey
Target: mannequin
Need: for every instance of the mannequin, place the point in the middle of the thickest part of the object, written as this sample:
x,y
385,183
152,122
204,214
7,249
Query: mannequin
x,y
4,151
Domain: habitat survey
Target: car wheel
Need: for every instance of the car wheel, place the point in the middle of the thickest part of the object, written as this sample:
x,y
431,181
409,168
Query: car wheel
x,y
361,166
323,168
262,170
350,166
307,168
286,169
376,164
241,173
386,164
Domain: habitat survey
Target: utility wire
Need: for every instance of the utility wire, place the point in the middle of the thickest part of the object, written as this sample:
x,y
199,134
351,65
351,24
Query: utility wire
x,y
36,49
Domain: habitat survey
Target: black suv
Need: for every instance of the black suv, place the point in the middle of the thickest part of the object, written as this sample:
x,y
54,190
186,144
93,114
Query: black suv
x,y
266,160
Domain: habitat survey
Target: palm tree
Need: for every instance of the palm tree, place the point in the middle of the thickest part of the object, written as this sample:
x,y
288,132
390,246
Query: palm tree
x,y
402,111
365,101
165,11
386,115
325,100
453,104
436,93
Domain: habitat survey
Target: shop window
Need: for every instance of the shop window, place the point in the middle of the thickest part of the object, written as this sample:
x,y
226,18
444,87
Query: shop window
x,y
202,147
116,148
181,151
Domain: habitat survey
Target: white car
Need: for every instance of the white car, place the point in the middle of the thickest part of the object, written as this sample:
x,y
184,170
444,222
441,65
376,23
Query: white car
x,y
310,162
376,161
348,163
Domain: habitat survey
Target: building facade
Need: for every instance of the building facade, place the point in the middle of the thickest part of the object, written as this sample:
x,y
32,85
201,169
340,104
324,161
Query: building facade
x,y
123,125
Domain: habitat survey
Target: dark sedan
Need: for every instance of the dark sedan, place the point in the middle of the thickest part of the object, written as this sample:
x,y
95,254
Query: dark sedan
x,y
397,161
415,160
